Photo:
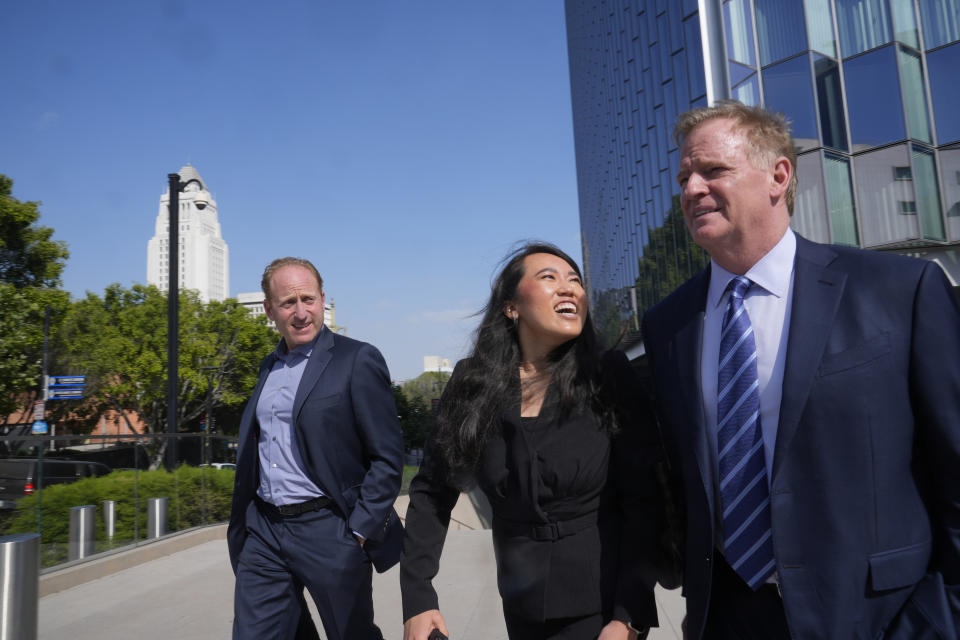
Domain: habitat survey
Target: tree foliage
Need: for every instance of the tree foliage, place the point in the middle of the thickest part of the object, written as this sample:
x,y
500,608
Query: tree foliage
x,y
119,341
30,266
428,386
416,418
416,405
29,257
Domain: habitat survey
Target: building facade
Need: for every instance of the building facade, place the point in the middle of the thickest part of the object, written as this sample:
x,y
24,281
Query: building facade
x,y
869,86
204,259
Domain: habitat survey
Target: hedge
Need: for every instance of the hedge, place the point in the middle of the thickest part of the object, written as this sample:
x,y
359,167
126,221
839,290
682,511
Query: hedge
x,y
189,491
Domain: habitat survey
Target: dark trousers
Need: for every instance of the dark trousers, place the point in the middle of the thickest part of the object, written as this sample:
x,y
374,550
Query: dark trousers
x,y
282,555
578,628
737,612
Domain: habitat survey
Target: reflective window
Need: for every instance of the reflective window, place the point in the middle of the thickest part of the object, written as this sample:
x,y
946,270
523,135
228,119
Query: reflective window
x,y
843,219
738,24
830,102
681,88
787,90
695,74
941,22
689,6
873,98
950,179
914,95
863,24
928,194
676,28
879,189
820,27
748,92
809,209
780,29
905,24
739,73
942,66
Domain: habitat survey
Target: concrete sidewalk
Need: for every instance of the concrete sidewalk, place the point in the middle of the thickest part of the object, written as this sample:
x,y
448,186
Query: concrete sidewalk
x,y
188,594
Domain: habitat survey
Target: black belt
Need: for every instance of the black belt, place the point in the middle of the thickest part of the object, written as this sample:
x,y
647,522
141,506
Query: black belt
x,y
547,530
290,510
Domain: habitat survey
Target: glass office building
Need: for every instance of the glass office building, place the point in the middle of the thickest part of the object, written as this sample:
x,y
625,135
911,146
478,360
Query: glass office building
x,y
870,86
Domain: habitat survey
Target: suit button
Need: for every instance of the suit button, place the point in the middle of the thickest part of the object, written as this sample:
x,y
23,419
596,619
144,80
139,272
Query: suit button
x,y
707,559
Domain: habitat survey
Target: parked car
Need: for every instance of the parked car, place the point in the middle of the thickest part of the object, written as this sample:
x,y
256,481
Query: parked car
x,y
220,465
21,476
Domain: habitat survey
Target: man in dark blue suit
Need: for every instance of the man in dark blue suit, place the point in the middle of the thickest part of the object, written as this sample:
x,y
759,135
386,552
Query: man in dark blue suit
x,y
319,461
810,399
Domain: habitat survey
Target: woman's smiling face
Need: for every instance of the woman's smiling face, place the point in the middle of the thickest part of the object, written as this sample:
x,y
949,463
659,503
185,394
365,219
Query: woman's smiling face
x,y
550,304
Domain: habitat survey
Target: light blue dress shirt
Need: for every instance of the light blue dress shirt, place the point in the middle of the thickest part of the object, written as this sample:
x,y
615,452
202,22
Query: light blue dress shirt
x,y
282,479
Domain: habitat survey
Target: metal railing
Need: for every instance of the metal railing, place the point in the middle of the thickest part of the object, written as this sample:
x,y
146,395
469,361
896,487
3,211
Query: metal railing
x,y
86,495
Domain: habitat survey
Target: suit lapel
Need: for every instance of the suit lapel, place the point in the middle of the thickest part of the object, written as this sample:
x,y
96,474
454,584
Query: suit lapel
x,y
817,290
319,359
688,343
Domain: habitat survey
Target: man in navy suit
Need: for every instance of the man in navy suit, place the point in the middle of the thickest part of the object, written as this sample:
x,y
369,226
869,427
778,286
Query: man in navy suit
x,y
319,461
810,399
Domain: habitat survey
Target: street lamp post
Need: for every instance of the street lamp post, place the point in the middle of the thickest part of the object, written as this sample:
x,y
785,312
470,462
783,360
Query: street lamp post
x,y
173,311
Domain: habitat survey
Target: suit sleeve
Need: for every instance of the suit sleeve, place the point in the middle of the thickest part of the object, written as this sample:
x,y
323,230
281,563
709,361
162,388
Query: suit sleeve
x,y
635,452
379,430
935,390
432,498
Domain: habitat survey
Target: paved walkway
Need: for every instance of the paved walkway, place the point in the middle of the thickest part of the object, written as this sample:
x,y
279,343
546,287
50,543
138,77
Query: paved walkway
x,y
188,594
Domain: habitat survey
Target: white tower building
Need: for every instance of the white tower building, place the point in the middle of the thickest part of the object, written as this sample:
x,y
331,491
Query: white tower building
x,y
204,256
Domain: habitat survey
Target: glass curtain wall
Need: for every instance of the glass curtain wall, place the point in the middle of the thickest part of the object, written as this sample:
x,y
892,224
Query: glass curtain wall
x,y
869,86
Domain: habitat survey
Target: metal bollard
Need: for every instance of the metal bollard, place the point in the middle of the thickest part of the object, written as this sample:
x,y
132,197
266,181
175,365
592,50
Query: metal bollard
x,y
110,517
156,517
82,532
19,586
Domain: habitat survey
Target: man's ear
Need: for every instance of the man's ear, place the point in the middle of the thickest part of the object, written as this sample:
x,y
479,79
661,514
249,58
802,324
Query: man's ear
x,y
781,175
268,309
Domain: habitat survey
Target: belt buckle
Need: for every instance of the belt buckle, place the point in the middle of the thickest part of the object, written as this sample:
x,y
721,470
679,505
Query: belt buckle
x,y
547,531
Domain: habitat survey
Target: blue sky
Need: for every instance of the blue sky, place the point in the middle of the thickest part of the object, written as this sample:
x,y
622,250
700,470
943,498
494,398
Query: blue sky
x,y
404,147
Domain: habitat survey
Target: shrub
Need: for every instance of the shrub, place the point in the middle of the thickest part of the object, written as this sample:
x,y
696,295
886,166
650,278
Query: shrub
x,y
194,495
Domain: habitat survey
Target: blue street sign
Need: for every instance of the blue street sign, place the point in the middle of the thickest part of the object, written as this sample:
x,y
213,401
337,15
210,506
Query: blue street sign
x,y
68,380
64,393
39,428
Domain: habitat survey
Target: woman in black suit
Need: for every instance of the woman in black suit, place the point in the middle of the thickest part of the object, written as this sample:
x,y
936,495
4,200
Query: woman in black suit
x,y
561,441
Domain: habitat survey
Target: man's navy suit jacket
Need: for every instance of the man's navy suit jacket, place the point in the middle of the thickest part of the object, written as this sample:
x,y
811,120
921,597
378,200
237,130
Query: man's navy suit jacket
x,y
349,440
865,487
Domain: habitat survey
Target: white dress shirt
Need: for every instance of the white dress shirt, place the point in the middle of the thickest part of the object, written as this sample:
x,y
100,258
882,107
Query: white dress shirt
x,y
768,302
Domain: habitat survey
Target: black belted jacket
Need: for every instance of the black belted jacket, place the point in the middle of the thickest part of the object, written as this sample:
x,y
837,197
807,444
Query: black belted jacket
x,y
576,511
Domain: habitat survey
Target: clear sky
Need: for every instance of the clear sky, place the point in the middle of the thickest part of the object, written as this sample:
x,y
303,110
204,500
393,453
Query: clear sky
x,y
403,146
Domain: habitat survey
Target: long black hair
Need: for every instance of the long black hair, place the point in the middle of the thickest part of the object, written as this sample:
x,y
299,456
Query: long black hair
x,y
488,382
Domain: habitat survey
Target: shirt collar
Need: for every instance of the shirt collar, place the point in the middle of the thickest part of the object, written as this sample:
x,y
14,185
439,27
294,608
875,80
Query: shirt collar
x,y
772,272
302,351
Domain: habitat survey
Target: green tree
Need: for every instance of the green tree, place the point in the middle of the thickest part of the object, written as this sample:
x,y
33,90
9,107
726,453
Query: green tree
x,y
416,418
119,341
28,255
30,266
428,386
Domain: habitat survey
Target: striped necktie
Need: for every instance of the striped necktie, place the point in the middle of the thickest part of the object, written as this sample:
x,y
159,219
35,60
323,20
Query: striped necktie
x,y
743,473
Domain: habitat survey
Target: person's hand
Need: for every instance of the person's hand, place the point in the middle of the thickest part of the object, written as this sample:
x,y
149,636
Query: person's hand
x,y
418,627
617,630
